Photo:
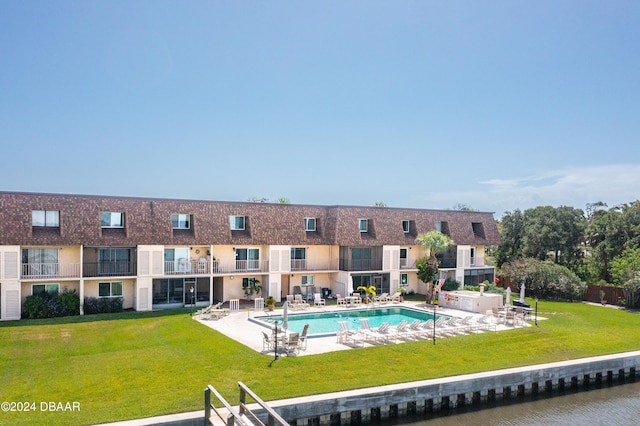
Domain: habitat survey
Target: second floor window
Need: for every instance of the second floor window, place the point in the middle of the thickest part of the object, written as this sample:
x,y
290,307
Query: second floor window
x,y
236,223
181,221
309,223
49,218
112,220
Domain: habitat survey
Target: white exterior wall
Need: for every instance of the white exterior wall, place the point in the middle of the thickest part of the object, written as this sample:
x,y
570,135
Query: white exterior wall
x,y
10,294
150,264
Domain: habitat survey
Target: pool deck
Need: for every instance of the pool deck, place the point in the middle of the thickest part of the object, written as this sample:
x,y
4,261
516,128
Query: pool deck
x,y
237,326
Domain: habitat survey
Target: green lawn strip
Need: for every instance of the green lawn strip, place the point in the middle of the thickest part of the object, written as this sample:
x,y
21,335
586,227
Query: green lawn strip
x,y
133,365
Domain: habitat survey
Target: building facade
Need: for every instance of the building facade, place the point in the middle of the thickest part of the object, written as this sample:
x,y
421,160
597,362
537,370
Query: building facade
x,y
160,253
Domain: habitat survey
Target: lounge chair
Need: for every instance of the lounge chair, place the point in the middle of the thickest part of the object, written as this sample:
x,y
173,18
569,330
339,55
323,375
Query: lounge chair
x,y
386,332
395,297
383,298
346,335
303,338
340,300
426,329
368,333
402,329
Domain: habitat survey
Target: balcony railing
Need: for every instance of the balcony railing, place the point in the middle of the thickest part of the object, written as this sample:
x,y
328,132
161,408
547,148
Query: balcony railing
x,y
311,265
183,267
115,268
361,264
50,270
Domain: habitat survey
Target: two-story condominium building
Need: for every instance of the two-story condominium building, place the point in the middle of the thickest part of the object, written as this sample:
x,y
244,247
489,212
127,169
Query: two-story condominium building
x,y
159,253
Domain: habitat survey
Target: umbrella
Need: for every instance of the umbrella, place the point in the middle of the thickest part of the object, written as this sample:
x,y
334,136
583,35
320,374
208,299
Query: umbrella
x,y
350,287
522,292
508,296
285,315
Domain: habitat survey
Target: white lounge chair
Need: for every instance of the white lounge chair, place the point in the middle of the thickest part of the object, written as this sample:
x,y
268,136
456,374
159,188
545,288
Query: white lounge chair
x,y
346,335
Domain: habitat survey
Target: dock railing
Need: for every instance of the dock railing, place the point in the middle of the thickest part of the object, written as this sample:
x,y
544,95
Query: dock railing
x,y
243,417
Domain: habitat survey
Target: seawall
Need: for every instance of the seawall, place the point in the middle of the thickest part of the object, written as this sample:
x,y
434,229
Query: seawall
x,y
362,406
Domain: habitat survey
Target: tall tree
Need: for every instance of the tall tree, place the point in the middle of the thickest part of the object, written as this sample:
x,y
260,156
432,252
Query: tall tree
x,y
557,231
435,242
512,229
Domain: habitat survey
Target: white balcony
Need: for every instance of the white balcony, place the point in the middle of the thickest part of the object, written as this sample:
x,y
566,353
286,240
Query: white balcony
x,y
50,270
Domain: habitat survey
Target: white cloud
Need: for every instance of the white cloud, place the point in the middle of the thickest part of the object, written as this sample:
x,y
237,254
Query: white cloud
x,y
612,184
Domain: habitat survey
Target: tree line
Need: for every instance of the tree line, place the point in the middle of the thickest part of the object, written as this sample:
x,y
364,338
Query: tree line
x,y
600,245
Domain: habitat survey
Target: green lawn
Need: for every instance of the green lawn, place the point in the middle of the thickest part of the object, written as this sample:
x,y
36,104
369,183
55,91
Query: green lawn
x,y
131,365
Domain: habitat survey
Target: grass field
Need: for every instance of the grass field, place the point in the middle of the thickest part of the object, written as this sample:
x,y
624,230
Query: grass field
x,y
131,365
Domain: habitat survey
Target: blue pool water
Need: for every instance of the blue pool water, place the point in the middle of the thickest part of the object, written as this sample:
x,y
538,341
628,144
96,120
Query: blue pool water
x,y
326,323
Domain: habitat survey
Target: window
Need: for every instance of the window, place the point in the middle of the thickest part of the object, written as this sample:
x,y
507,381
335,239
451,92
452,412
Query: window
x,y
406,226
478,229
40,261
298,258
176,260
404,254
442,227
307,280
236,223
112,220
363,224
49,218
111,289
309,224
181,221
404,279
45,288
114,261
247,258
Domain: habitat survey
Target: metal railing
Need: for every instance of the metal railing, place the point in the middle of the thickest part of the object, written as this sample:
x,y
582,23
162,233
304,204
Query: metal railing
x,y
114,268
243,417
183,266
50,270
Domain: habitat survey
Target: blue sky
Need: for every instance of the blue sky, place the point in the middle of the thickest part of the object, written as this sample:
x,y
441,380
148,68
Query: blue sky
x,y
497,105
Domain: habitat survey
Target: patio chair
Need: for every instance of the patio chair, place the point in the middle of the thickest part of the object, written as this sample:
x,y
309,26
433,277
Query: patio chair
x,y
268,344
498,317
318,300
292,344
340,300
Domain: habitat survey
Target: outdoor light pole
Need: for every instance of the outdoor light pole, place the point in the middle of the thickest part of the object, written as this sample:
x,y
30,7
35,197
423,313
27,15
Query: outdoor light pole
x,y
191,291
276,341
434,324
536,311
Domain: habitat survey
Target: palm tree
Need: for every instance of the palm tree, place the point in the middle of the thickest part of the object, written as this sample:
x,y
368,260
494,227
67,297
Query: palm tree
x,y
435,242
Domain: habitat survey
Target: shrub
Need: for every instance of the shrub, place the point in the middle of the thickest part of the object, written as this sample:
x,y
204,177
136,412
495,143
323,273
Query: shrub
x,y
450,284
45,305
488,288
102,305
545,279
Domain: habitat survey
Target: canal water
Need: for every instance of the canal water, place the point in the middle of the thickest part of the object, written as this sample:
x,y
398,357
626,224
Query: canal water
x,y
614,405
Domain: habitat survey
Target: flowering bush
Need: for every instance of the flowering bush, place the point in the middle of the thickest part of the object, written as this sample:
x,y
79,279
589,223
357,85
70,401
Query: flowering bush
x,y
545,279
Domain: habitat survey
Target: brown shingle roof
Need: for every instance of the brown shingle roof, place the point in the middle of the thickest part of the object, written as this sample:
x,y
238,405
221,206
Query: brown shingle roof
x,y
148,221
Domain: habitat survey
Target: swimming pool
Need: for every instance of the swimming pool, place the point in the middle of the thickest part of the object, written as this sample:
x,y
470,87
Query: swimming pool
x,y
326,323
